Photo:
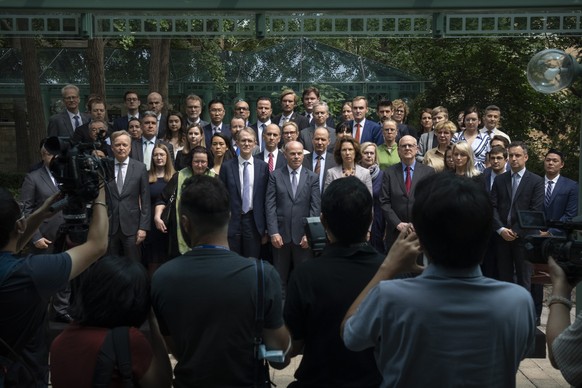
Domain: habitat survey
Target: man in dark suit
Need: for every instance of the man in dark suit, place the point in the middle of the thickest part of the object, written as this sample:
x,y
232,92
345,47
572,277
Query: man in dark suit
x,y
311,97
246,180
132,103
194,111
128,199
320,114
398,185
243,111
512,191
39,185
98,110
264,112
288,103
498,161
156,105
364,130
142,150
292,194
274,158
320,155
64,124
216,110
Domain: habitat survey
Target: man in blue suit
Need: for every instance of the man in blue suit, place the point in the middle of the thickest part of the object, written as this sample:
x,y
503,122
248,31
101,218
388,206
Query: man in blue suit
x,y
132,103
364,130
246,180
292,194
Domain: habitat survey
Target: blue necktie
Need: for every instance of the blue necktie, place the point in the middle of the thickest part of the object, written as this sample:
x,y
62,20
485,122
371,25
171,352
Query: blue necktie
x,y
246,199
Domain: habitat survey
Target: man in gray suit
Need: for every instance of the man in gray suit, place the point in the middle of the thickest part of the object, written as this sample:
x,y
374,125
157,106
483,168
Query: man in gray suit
x,y
142,149
64,124
320,116
292,194
398,185
320,160
128,200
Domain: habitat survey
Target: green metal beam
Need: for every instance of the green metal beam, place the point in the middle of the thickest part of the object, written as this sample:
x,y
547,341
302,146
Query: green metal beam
x,y
263,5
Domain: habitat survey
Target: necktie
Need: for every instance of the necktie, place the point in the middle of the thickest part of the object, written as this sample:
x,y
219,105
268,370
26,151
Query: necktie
x,y
132,118
548,194
215,130
283,120
514,185
294,182
271,162
246,199
147,154
119,177
358,126
77,121
408,181
317,168
309,117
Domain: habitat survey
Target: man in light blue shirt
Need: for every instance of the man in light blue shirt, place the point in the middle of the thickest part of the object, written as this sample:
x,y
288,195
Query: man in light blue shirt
x,y
450,326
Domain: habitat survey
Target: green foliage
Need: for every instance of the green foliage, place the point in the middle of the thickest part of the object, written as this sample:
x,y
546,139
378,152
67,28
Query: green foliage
x,y
12,182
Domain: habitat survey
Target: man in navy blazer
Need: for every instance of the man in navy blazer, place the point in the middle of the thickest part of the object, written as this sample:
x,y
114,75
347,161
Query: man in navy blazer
x,y
247,225
364,130
271,139
513,191
320,143
64,124
150,137
216,110
156,105
292,194
288,104
132,103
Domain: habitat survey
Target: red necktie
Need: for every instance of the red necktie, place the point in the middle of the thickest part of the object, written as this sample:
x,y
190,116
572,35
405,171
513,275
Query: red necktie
x,y
408,181
358,126
271,164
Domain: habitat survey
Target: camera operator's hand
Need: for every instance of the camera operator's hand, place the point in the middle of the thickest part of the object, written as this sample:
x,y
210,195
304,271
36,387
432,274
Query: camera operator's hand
x,y
402,255
560,284
141,235
44,211
508,234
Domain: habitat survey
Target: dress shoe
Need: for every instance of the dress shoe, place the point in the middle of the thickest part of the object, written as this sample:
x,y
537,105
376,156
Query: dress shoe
x,y
63,318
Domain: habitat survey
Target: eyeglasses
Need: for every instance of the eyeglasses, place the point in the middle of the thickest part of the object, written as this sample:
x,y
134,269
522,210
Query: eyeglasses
x,y
242,108
71,98
199,162
407,146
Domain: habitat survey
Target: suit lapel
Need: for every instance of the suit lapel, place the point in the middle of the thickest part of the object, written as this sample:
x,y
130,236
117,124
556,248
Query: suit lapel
x,y
556,190
47,179
236,178
287,182
400,176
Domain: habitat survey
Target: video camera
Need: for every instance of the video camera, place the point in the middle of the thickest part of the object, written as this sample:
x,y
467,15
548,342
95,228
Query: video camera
x,y
315,234
78,172
566,251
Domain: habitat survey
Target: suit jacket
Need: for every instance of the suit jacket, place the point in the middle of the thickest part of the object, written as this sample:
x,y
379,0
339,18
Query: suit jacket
x,y
329,163
130,210
298,119
371,132
285,214
60,124
563,205
281,161
529,196
230,177
187,123
362,174
122,123
137,149
306,137
487,179
396,204
255,127
225,130
36,188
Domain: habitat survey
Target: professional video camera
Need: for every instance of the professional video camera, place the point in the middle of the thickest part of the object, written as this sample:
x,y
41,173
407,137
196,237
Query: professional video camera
x,y
78,173
315,234
566,251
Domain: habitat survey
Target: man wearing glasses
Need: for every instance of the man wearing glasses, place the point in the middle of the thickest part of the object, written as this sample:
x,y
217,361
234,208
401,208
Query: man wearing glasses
x,y
242,110
64,124
398,187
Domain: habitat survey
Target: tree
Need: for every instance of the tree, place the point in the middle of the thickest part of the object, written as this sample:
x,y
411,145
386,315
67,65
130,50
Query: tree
x,y
95,54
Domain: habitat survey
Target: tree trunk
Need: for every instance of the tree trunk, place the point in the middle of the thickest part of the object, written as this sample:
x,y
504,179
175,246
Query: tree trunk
x,y
95,54
160,66
27,140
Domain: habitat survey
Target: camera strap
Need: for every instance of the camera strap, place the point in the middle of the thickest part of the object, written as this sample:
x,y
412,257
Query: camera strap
x,y
262,378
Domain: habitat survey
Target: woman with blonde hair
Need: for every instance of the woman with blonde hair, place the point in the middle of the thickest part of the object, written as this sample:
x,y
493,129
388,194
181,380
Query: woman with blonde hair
x,y
435,157
464,160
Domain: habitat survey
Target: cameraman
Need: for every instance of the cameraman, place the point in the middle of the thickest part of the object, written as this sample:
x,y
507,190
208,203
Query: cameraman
x,y
26,284
564,339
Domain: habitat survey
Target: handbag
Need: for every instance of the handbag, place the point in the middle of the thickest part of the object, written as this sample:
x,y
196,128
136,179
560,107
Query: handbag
x,y
168,209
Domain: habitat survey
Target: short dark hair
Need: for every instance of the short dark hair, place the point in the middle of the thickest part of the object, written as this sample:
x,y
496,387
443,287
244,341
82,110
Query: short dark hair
x,y
196,150
128,93
521,144
113,291
555,151
346,207
344,126
453,218
9,214
215,101
383,103
499,150
309,90
502,139
206,204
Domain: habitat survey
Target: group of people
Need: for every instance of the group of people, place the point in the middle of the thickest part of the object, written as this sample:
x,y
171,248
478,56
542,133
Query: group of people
x,y
201,198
